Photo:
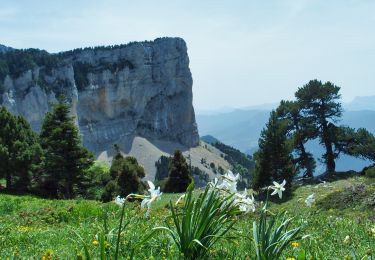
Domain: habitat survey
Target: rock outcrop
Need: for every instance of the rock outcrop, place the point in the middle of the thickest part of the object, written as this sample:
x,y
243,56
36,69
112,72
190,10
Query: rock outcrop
x,y
116,93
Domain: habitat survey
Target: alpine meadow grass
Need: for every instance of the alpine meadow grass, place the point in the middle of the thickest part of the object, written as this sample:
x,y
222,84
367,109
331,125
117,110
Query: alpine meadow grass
x,y
35,228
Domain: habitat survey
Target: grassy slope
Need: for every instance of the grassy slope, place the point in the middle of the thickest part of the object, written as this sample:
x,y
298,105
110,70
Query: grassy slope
x,y
31,226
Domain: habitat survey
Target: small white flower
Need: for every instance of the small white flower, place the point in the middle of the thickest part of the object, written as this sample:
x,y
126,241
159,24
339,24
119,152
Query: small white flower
x,y
154,195
347,240
278,188
119,201
231,177
310,200
229,182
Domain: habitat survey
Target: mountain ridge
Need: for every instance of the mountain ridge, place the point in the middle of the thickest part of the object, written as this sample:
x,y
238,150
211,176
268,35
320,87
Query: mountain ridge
x,y
116,92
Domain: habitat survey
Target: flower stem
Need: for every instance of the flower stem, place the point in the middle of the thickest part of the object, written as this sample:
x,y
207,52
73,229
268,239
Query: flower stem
x,y
120,227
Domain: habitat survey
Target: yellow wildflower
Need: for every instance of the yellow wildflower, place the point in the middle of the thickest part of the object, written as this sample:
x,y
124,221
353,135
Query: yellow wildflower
x,y
290,258
294,244
47,255
24,229
95,242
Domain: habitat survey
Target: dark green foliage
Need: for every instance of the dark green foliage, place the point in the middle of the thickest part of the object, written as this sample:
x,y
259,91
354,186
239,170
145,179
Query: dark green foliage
x,y
162,168
125,178
65,159
300,129
110,191
273,159
370,172
129,178
320,104
205,219
19,151
360,143
179,176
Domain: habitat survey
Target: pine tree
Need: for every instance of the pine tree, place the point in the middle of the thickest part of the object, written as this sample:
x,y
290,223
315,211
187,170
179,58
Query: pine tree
x,y
179,176
273,160
27,155
320,105
65,159
19,151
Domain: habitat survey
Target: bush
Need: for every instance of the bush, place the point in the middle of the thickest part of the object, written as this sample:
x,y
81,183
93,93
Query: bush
x,y
98,176
370,172
352,196
124,178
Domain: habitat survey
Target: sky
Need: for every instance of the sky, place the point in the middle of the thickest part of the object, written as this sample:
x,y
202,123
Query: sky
x,y
242,52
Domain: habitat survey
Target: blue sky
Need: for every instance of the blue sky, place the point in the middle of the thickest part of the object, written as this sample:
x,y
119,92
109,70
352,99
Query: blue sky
x,y
242,53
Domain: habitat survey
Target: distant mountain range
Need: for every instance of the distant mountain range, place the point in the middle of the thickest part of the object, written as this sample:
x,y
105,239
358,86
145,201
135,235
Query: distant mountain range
x,y
241,128
4,48
361,103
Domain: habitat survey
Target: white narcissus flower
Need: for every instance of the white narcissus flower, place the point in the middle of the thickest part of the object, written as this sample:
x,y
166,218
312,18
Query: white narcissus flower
x,y
229,182
247,204
229,186
154,195
242,195
119,201
231,177
278,188
310,200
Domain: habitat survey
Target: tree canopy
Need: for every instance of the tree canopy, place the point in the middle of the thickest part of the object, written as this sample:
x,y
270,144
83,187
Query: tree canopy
x,y
65,158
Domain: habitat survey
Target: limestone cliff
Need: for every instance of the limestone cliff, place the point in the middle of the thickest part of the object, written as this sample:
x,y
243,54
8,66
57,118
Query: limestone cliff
x,y
116,93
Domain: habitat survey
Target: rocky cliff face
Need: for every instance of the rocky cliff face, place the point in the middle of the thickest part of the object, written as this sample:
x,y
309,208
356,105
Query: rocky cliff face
x,y
116,93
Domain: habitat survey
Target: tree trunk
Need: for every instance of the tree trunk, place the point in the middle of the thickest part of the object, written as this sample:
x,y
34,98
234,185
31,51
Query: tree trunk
x,y
329,155
69,190
8,180
329,158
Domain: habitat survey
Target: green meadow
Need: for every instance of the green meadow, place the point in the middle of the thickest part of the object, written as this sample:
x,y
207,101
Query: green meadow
x,y
339,225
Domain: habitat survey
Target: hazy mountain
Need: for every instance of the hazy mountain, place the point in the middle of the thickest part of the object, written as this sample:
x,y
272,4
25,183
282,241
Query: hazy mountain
x,y
361,103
